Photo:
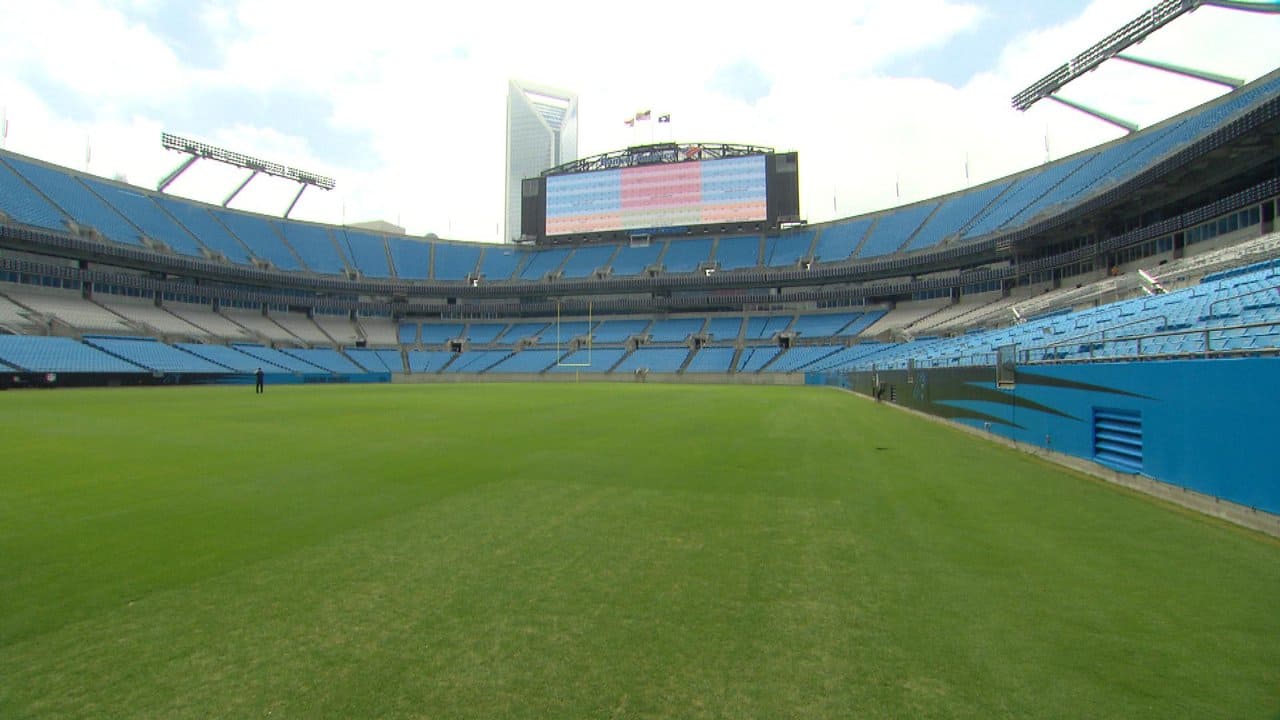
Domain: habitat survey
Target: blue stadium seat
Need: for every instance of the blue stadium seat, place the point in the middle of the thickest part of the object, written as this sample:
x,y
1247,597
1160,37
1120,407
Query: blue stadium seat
x,y
813,326
635,260
428,361
952,216
368,253
407,333
837,242
210,233
788,249
617,331
313,244
60,355
797,358
436,333
228,357
20,201
733,253
78,201
765,327
589,360
455,261
686,255
894,228
711,360
1025,190
146,215
528,361
522,331
724,329
327,359
544,261
500,262
587,259
676,329
376,361
412,258
484,333
279,359
655,360
260,237
755,358
153,355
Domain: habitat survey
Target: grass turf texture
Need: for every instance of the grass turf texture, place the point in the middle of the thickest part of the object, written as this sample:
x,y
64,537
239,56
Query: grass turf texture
x,y
492,551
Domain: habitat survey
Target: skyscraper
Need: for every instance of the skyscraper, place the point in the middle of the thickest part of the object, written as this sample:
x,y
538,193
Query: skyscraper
x,y
542,132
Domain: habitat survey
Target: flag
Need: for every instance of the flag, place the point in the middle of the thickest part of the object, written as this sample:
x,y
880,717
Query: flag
x,y
966,166
664,118
630,122
4,125
88,150
642,115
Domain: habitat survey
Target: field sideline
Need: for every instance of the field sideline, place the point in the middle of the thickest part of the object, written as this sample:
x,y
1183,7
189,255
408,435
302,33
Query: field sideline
x,y
595,551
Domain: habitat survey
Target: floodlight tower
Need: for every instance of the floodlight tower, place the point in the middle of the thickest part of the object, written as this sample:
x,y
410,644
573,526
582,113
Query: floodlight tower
x,y
199,150
1114,45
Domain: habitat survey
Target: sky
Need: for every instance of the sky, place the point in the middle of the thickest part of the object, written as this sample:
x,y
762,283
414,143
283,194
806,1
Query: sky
x,y
403,103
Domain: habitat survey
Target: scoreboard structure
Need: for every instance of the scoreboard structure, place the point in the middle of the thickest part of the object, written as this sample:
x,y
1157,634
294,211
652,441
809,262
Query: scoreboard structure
x,y
662,189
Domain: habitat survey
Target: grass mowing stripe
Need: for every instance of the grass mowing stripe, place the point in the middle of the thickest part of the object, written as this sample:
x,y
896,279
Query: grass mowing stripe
x,y
633,551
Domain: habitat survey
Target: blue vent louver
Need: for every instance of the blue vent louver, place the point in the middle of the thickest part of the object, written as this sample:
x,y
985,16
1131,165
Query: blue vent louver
x,y
1117,439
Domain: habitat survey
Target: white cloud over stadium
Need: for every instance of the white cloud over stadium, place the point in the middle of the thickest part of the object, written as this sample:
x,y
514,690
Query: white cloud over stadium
x,y
403,103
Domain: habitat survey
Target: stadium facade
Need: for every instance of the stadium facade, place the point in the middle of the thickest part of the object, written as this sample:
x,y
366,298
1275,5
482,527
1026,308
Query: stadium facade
x,y
542,132
1047,307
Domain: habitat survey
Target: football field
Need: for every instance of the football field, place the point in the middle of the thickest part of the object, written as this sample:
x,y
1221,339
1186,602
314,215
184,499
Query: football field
x,y
595,551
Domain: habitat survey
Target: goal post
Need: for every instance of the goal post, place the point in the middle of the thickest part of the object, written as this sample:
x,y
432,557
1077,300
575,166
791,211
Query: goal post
x,y
561,342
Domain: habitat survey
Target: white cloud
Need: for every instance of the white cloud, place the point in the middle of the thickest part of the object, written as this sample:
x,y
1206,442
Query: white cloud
x,y
420,90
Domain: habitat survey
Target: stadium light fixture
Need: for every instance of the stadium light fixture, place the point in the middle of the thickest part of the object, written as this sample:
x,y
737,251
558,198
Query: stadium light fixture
x,y
1132,33
197,150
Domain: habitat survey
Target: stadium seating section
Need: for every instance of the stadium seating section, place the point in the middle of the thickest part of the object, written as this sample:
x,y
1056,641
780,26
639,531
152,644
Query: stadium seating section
x,y
66,328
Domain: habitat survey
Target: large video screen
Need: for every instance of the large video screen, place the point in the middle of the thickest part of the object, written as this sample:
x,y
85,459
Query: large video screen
x,y
730,190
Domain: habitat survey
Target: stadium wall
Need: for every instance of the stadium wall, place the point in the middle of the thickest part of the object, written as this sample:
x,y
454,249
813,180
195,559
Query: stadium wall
x,y
1206,425
598,377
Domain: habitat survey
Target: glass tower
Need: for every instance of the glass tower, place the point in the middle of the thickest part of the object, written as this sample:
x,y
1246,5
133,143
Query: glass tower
x,y
542,132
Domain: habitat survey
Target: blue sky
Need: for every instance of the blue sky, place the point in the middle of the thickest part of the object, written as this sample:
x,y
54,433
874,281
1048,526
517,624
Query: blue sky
x,y
403,103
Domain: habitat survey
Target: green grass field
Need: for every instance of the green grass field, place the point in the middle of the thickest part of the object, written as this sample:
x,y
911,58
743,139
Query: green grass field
x,y
595,551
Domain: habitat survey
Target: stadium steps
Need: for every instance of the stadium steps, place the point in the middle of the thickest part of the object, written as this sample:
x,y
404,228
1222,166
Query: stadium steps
x,y
34,319
910,237
781,354
994,203
404,356
857,249
737,358
624,356
920,320
218,221
118,211
289,247
347,263
137,326
192,354
250,332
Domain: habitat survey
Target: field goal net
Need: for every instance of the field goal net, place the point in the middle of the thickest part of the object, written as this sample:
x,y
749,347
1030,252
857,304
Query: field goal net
x,y
564,340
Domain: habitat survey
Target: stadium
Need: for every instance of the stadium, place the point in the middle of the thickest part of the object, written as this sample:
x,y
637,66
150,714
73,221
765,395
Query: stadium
x,y
1000,452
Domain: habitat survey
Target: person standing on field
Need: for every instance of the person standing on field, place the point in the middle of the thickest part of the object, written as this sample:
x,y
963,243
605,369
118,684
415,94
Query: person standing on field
x,y
259,376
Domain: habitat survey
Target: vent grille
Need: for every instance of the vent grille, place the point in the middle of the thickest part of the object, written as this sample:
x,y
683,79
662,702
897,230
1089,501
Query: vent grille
x,y
1117,439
